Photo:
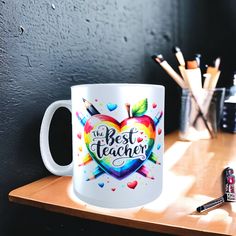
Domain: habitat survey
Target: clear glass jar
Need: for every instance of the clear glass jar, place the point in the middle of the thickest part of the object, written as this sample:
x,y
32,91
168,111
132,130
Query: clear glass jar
x,y
200,115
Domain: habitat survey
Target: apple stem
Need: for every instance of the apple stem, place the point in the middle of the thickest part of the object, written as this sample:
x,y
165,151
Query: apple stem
x,y
127,105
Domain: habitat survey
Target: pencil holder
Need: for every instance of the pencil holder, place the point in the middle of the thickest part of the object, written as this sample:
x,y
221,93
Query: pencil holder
x,y
200,113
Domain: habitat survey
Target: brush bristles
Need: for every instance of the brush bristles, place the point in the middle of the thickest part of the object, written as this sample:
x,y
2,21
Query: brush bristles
x,y
197,55
158,58
176,49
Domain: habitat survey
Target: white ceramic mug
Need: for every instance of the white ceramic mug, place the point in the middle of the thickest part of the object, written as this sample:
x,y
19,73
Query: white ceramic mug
x,y
118,143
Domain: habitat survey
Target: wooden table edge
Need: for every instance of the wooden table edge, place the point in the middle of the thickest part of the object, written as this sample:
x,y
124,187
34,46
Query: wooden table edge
x,y
100,217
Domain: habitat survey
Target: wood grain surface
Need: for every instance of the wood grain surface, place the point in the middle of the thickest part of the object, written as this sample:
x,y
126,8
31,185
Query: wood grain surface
x,y
192,177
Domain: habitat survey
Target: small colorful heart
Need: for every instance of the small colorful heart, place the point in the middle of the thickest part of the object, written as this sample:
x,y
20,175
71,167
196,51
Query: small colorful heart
x,y
79,135
159,131
111,106
132,184
113,189
154,105
101,185
139,139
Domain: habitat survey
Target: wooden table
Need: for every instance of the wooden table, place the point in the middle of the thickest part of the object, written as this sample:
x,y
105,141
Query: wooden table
x,y
192,177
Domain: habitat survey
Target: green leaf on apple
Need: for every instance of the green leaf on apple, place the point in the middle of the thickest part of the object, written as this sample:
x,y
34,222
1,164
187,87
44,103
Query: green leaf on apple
x,y
140,108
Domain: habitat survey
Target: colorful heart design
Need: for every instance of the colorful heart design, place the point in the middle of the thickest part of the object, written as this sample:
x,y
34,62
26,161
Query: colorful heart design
x,y
133,184
154,105
139,139
79,135
101,185
115,146
111,106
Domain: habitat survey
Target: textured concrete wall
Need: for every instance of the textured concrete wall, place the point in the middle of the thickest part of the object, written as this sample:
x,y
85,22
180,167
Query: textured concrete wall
x,y
47,46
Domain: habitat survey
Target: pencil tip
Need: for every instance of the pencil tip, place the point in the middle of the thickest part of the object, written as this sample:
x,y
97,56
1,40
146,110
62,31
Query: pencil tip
x,y
84,100
176,49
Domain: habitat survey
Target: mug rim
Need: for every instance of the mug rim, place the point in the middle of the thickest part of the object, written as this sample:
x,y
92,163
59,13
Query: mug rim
x,y
118,85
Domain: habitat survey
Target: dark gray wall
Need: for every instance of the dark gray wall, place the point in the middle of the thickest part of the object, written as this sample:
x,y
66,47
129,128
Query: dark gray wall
x,y
48,46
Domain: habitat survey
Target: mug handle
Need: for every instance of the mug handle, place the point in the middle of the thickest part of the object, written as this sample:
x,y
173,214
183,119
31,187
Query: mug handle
x,y
48,161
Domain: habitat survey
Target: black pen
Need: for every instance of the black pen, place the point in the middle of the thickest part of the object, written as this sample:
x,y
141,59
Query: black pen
x,y
229,191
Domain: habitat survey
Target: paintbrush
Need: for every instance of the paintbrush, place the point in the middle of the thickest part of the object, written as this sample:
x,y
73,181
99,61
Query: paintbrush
x,y
180,58
194,76
165,65
170,71
214,74
179,55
